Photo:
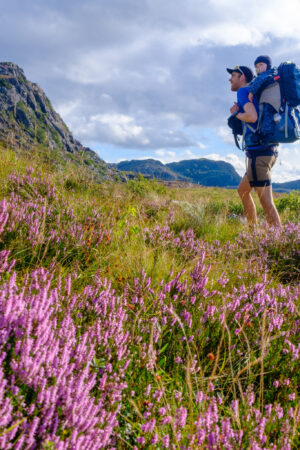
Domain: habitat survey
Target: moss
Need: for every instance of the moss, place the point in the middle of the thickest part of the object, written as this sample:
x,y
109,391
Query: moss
x,y
22,79
41,135
56,138
22,106
4,83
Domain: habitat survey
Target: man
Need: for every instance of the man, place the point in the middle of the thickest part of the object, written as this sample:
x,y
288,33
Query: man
x,y
260,158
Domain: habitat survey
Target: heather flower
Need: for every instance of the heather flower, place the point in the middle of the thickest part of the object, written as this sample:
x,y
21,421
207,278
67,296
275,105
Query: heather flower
x,y
166,441
149,426
166,420
180,417
141,440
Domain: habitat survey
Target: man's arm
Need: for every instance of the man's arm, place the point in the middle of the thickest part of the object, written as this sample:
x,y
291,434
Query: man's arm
x,y
250,114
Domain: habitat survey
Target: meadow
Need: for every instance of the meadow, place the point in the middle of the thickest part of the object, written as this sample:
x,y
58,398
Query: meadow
x,y
135,315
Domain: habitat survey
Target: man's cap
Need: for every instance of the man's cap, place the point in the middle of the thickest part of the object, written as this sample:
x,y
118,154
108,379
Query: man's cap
x,y
264,59
243,70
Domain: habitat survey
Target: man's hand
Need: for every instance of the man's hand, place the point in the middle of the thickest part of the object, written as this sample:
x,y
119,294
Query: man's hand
x,y
234,108
250,114
250,96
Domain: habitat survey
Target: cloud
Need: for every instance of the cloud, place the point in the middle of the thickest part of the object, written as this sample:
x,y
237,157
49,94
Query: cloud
x,y
117,128
287,166
225,134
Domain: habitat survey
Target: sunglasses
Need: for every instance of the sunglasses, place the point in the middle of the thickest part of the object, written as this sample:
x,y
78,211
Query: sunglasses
x,y
238,69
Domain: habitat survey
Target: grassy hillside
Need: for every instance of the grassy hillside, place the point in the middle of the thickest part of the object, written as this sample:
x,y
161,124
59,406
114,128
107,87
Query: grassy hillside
x,y
139,316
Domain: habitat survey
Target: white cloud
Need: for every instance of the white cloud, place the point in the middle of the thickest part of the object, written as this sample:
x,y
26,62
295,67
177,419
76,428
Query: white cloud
x,y
254,23
225,133
68,108
171,154
287,166
190,155
118,128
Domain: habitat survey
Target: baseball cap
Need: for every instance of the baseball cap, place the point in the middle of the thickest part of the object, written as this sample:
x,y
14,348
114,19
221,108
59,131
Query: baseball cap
x,y
244,70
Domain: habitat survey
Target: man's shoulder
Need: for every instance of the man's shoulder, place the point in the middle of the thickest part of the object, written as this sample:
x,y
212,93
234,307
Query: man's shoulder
x,y
244,90
242,95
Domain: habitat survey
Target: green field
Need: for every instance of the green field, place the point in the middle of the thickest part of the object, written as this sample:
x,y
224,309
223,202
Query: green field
x,y
136,315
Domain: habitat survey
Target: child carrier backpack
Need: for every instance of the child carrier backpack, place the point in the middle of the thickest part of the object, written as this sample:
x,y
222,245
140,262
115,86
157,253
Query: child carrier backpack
x,y
279,111
284,97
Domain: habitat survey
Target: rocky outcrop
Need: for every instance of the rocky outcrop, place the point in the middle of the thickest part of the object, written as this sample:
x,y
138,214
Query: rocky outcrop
x,y
27,118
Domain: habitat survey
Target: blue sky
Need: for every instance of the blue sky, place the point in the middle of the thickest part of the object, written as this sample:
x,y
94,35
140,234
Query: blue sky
x,y
147,79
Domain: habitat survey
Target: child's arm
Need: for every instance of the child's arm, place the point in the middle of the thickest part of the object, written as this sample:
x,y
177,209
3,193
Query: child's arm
x,y
261,81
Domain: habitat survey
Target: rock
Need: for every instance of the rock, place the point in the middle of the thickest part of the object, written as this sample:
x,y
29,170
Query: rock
x,y
26,111
21,117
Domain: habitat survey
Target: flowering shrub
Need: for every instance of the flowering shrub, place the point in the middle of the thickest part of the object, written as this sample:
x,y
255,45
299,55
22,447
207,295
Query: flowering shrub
x,y
61,376
38,219
206,356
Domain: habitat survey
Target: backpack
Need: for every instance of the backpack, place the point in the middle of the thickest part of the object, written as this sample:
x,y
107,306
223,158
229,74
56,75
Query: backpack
x,y
289,82
236,126
285,123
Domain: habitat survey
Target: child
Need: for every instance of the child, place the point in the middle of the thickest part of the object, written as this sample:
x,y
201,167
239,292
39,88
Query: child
x,y
269,99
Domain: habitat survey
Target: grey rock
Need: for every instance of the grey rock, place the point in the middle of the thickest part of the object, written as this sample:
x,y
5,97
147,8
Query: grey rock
x,y
26,111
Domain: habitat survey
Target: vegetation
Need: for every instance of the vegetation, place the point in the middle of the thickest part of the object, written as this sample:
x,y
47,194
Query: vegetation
x,y
143,316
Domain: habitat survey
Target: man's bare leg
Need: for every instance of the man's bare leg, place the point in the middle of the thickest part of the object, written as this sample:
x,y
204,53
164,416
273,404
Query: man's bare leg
x,y
266,199
244,191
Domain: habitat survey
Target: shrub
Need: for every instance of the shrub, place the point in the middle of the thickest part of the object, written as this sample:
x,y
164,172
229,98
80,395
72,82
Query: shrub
x,y
142,186
290,201
235,208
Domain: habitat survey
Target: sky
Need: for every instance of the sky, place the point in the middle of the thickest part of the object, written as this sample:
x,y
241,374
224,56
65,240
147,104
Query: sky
x,y
136,79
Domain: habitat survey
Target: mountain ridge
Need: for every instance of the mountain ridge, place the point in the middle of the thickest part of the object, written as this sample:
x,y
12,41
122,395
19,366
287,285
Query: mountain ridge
x,y
201,171
28,119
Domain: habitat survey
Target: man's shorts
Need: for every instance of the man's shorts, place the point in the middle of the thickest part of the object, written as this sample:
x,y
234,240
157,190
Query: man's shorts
x,y
259,164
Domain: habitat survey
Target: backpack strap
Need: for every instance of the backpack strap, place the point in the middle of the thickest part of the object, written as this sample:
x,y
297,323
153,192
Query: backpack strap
x,y
286,113
260,115
251,128
236,140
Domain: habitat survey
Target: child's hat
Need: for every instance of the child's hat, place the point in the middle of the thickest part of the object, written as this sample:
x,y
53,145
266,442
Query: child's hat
x,y
264,59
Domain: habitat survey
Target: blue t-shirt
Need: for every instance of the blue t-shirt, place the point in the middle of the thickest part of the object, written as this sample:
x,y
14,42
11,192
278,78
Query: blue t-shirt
x,y
242,99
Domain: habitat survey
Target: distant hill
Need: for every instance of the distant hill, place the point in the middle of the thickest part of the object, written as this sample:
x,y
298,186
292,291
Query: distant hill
x,y
201,171
150,168
207,172
287,186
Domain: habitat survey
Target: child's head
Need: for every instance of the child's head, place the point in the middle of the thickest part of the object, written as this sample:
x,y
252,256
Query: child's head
x,y
262,63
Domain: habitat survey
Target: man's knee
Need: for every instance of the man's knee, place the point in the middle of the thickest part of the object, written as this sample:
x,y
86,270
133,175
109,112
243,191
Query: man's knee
x,y
244,189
